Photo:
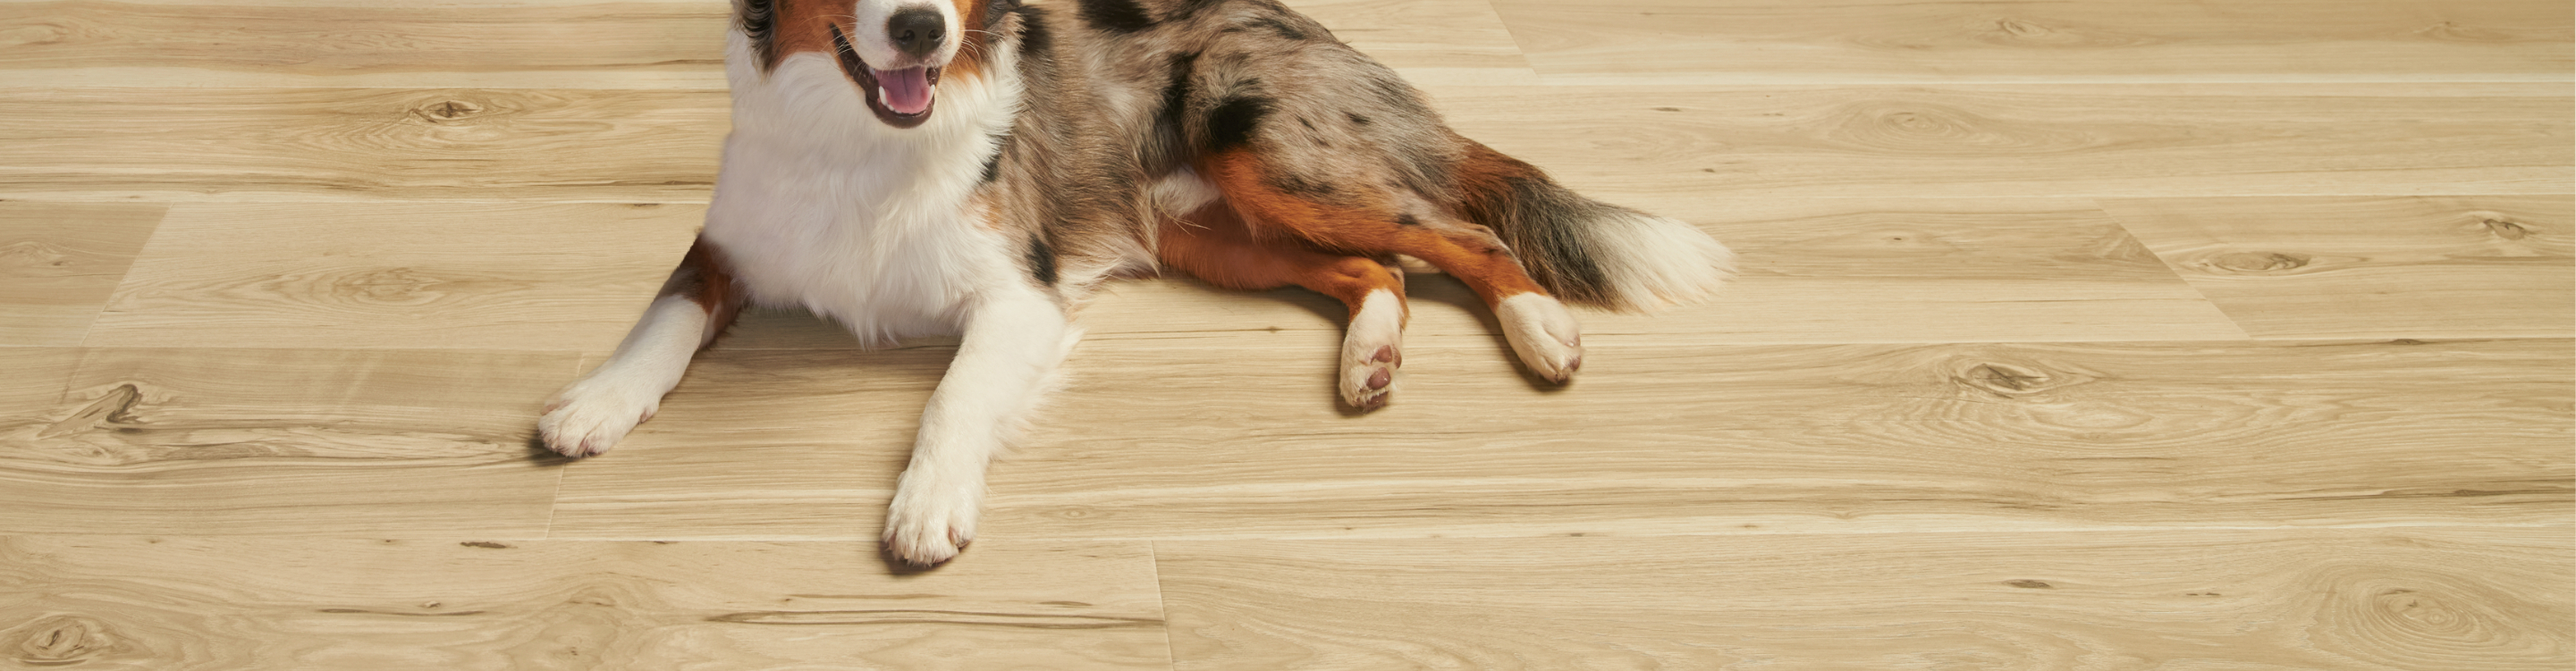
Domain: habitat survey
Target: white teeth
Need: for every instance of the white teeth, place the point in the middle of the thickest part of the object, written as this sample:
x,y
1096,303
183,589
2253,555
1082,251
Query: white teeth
x,y
881,94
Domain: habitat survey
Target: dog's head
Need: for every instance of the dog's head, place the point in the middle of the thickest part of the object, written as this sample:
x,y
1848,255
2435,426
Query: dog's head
x,y
894,51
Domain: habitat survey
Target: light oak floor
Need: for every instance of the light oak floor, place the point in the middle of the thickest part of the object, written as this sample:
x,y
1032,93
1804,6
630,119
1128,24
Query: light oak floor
x,y
2144,334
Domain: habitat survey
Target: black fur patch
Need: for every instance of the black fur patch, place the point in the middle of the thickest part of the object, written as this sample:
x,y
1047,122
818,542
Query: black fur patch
x,y
1356,118
1190,8
1176,95
1117,16
1407,220
1231,124
1281,27
1041,260
993,164
1034,38
759,20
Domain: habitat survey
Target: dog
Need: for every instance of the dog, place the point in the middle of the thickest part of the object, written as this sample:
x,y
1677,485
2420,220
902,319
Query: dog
x,y
977,167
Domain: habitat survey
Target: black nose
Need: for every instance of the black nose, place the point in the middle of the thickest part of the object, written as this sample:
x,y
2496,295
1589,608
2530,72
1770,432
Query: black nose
x,y
916,31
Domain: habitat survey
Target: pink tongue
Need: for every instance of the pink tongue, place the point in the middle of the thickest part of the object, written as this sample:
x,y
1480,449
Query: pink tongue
x,y
906,91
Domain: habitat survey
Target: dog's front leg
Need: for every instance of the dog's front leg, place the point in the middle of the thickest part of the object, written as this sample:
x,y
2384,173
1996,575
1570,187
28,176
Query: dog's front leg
x,y
1012,345
696,303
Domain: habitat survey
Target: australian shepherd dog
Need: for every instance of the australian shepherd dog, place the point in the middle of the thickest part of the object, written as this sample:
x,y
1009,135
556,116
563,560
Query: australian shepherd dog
x,y
977,167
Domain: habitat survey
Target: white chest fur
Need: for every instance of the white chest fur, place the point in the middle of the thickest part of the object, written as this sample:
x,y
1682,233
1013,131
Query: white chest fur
x,y
821,206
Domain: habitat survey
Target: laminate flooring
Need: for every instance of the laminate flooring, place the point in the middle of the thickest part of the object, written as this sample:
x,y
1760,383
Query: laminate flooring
x,y
2090,335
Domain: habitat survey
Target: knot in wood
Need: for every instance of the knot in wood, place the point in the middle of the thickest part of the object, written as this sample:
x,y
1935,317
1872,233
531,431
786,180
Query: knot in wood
x,y
34,34
113,410
448,111
2005,379
398,286
18,258
1919,122
2504,228
2424,614
2011,30
61,640
2260,262
2453,31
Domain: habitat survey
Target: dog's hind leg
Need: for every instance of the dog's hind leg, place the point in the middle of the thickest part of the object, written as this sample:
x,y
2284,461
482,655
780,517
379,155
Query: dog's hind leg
x,y
696,303
1539,328
1014,337
1214,245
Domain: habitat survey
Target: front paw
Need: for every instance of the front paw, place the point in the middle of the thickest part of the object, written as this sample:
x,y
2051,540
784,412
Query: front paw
x,y
931,520
592,415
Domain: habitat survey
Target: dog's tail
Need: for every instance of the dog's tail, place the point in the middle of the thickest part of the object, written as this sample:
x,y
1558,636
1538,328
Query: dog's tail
x,y
1583,250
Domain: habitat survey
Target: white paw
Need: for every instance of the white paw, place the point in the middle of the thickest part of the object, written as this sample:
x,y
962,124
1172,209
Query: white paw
x,y
592,415
1543,334
931,519
1372,350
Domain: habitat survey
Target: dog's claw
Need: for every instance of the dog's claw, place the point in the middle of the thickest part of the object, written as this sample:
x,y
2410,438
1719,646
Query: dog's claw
x,y
930,521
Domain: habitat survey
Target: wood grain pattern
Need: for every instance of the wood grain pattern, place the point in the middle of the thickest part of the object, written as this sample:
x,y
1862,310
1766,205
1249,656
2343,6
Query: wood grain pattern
x,y
2373,267
630,45
2142,140
777,444
83,602
465,276
1469,46
1759,41
2471,598
191,144
2150,335
254,44
1237,437
286,443
37,376
59,262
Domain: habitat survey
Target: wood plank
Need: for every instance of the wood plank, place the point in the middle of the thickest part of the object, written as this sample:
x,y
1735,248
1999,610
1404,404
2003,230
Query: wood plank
x,y
568,277
632,45
287,443
59,262
2145,140
1455,42
191,144
1238,436
2448,267
774,444
1243,441
258,44
199,603
2466,598
1881,41
37,378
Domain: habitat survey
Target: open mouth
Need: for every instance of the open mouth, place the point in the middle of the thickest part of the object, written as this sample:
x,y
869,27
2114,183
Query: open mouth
x,y
901,98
